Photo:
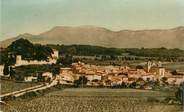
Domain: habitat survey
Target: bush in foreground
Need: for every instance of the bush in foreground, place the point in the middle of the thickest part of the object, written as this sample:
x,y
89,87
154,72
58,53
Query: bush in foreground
x,y
180,93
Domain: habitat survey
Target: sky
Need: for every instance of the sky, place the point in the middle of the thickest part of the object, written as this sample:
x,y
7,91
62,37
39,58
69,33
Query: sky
x,y
37,16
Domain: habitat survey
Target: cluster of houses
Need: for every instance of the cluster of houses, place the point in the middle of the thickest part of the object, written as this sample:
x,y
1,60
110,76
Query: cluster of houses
x,y
103,75
111,75
116,75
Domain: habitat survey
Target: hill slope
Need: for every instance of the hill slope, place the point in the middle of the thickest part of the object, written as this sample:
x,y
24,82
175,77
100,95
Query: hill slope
x,y
170,38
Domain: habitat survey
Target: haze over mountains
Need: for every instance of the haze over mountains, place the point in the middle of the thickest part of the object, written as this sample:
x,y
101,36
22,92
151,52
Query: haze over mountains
x,y
90,35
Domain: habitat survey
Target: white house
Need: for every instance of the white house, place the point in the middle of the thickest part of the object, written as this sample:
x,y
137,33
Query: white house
x,y
47,74
55,54
30,79
93,77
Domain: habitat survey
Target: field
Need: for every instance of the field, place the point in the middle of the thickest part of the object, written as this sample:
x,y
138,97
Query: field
x,y
95,100
174,65
10,86
134,63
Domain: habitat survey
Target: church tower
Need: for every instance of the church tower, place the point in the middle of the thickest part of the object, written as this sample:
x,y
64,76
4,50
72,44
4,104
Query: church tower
x,y
149,64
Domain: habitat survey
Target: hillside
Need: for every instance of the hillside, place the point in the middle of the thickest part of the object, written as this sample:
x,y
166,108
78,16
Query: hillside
x,y
170,38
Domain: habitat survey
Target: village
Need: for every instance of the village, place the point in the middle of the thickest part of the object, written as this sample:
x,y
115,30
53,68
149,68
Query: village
x,y
109,76
88,75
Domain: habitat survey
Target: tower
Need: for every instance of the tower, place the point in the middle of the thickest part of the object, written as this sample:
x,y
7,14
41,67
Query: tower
x,y
161,72
149,64
18,59
55,54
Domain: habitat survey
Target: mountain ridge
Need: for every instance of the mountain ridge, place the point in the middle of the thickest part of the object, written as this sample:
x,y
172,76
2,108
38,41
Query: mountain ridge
x,y
100,36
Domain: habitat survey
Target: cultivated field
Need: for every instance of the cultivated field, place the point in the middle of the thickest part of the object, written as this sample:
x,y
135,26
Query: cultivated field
x,y
10,86
94,100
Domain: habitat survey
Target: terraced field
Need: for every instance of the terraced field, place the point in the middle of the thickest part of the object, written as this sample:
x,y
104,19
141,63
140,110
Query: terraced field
x,y
94,100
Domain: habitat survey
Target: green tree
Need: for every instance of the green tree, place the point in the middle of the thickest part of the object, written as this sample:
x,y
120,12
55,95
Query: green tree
x,y
28,50
55,70
6,69
66,61
12,73
180,93
81,81
133,85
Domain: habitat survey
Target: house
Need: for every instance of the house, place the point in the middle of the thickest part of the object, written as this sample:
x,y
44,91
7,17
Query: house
x,y
67,79
175,79
55,54
66,76
147,77
65,70
93,77
115,80
47,76
30,79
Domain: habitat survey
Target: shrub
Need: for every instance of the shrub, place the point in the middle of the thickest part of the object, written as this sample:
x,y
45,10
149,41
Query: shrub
x,y
180,93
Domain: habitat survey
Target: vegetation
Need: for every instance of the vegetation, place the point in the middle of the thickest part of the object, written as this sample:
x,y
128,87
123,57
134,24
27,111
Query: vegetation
x,y
28,51
55,70
180,93
12,73
67,60
88,50
10,86
31,70
6,69
85,50
81,81
156,52
94,100
31,51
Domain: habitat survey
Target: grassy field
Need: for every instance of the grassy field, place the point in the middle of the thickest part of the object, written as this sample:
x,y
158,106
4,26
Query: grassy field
x,y
94,100
78,92
10,86
174,65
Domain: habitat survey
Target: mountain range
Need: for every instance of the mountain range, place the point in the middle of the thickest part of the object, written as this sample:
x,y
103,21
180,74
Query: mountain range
x,y
99,36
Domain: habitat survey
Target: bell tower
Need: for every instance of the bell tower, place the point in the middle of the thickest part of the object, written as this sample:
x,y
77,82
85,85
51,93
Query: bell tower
x,y
149,64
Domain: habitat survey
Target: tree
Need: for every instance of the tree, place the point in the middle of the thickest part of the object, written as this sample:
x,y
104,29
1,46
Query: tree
x,y
12,73
123,85
81,81
112,57
55,70
133,85
164,79
174,72
67,60
6,69
28,50
180,93
139,67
